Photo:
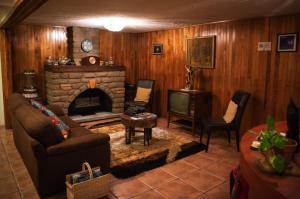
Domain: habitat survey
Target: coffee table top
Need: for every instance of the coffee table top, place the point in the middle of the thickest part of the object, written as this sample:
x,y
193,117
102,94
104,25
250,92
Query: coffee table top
x,y
142,120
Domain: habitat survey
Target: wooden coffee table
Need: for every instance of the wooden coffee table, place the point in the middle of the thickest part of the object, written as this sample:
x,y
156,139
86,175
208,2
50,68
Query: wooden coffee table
x,y
141,120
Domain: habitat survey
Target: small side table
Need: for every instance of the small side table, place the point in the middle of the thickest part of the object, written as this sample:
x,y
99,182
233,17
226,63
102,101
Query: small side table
x,y
141,120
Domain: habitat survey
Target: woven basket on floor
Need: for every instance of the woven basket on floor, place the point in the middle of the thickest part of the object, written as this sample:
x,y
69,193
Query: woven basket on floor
x,y
90,189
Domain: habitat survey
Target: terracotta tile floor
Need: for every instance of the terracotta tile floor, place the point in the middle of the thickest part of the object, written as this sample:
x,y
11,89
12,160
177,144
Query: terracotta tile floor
x,y
200,176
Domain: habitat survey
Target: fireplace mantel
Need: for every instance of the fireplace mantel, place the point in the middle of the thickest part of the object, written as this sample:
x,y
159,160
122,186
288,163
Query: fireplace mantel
x,y
74,68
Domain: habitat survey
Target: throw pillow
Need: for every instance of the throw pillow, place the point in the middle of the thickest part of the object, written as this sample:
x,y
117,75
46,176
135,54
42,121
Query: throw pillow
x,y
143,94
59,124
230,112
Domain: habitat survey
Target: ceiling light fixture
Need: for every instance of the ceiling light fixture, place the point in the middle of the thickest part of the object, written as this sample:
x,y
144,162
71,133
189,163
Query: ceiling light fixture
x,y
114,24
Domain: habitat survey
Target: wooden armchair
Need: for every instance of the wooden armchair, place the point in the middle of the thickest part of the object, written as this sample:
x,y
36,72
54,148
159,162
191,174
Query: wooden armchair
x,y
144,106
240,98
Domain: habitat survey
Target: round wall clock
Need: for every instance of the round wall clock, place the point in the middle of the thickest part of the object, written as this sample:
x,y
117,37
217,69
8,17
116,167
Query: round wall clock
x,y
86,45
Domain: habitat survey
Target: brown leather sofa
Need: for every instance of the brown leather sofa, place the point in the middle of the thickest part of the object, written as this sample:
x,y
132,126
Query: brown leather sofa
x,y
49,159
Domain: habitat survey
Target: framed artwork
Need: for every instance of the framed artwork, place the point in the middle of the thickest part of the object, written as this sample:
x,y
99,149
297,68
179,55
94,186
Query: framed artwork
x,y
201,52
157,49
287,42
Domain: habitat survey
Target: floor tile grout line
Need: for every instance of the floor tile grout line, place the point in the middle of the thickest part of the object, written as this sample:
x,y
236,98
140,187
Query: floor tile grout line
x,y
11,169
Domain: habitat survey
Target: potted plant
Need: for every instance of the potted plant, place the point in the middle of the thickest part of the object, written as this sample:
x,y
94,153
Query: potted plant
x,y
276,148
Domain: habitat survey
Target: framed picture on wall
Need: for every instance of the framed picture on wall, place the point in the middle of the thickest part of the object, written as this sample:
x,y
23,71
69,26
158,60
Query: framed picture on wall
x,y
157,49
201,52
287,42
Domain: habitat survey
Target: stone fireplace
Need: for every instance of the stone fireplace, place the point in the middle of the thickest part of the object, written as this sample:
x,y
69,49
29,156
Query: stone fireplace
x,y
68,87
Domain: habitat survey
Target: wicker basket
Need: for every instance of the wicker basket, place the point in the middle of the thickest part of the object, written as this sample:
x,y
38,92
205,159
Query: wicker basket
x,y
89,189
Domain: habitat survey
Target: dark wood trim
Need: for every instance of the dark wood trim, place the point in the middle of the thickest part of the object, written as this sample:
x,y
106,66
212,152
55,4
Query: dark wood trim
x,y
5,43
73,68
23,10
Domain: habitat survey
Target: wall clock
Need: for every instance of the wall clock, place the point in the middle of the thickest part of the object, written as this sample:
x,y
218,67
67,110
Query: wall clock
x,y
86,45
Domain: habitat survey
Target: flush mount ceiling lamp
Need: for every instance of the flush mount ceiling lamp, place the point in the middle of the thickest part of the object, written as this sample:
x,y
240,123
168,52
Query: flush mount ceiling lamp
x,y
114,24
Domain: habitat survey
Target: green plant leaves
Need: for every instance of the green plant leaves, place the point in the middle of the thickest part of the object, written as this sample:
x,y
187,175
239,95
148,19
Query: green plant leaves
x,y
271,139
278,141
278,163
270,123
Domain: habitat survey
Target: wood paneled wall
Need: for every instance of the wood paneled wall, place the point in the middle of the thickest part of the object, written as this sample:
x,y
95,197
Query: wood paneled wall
x,y
122,47
31,45
271,77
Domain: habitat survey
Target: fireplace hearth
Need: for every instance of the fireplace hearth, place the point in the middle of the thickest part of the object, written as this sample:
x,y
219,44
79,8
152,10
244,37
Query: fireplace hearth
x,y
89,102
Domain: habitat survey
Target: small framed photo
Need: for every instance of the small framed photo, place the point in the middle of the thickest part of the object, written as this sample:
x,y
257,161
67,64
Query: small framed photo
x,y
157,49
287,42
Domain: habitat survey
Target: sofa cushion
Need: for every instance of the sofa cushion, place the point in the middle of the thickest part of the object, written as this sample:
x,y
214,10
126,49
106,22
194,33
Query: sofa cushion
x,y
60,125
68,121
38,126
15,100
57,110
80,139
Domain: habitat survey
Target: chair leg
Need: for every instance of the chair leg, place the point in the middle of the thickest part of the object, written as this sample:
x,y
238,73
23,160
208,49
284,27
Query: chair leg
x,y
238,140
228,136
201,134
208,138
169,120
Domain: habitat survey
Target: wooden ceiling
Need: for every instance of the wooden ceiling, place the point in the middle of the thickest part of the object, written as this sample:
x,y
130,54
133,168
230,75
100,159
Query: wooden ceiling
x,y
145,15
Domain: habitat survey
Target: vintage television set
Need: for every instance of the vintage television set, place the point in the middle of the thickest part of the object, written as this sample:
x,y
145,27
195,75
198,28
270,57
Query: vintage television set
x,y
188,107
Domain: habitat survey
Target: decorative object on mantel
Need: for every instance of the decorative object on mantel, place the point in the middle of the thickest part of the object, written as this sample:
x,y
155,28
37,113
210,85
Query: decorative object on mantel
x,y
201,52
157,49
278,151
30,84
90,61
63,60
287,42
110,61
189,77
60,61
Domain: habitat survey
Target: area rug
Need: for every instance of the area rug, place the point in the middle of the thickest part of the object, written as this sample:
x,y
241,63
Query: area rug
x,y
132,159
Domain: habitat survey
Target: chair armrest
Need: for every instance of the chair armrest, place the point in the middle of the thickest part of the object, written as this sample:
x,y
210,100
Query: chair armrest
x,y
57,110
78,143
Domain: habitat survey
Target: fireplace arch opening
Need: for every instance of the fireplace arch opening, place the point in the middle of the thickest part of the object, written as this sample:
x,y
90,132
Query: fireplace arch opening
x,y
89,102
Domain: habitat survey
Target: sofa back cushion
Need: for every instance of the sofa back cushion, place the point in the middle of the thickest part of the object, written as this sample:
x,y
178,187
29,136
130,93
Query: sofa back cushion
x,y
38,126
59,124
16,100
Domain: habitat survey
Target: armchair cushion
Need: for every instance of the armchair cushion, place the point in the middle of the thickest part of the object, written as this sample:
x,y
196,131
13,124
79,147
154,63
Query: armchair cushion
x,y
230,112
143,94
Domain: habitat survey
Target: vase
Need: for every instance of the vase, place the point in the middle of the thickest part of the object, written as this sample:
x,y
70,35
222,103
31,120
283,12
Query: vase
x,y
288,151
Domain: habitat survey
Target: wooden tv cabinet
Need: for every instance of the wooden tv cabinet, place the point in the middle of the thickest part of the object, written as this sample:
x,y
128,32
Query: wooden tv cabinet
x,y
187,107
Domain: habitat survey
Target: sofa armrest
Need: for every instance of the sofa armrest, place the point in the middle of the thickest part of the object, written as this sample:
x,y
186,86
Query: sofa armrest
x,y
38,149
57,110
78,143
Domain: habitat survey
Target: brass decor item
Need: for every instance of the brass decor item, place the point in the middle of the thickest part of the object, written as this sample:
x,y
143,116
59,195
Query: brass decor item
x,y
201,52
189,77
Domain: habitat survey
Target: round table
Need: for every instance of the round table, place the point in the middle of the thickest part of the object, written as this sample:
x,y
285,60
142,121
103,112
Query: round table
x,y
263,185
141,120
